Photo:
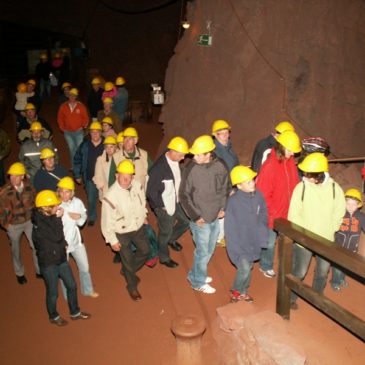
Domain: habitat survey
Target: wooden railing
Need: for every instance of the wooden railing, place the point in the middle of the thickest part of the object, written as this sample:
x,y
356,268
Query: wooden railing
x,y
289,233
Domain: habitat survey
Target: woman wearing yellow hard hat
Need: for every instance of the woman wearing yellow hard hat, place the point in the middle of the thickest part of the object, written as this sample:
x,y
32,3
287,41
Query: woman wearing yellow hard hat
x,y
74,216
318,205
277,179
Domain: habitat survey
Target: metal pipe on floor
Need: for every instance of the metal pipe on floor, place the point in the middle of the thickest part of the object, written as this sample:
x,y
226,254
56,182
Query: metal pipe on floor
x,y
188,331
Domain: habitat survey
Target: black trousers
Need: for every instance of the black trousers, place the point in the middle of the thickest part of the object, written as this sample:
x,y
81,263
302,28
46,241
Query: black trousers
x,y
133,261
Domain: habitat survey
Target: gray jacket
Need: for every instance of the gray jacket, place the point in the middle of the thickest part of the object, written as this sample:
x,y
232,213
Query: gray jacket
x,y
204,189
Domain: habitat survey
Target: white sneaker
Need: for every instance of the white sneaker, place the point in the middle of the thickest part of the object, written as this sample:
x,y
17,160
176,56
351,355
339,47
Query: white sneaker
x,y
207,289
268,273
208,279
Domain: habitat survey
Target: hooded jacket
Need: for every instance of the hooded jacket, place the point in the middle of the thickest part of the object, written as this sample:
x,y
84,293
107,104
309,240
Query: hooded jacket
x,y
277,180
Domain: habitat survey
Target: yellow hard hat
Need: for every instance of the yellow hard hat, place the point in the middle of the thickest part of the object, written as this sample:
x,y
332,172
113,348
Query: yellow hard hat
x,y
178,144
74,91
95,126
95,81
29,106
16,168
107,120
314,162
46,198
219,125
36,126
290,141
46,153
241,174
108,100
284,126
202,144
43,56
126,167
65,84
130,132
108,86
32,82
120,137
355,194
119,81
110,140
66,183
22,88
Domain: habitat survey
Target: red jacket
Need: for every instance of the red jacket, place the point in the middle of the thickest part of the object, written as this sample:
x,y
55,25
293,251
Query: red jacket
x,y
74,120
277,180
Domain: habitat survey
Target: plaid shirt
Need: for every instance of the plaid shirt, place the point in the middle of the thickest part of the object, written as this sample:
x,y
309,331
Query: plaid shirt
x,y
15,207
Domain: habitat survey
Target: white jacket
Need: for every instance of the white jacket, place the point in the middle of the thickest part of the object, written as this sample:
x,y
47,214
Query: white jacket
x,y
123,210
71,226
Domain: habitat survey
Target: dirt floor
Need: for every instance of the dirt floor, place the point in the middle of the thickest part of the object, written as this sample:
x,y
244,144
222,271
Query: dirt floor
x,y
125,332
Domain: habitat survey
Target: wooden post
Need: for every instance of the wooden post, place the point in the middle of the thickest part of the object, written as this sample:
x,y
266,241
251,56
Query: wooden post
x,y
188,331
285,268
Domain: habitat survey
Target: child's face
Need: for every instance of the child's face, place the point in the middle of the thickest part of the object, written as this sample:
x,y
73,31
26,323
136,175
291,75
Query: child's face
x,y
352,205
65,195
248,186
106,127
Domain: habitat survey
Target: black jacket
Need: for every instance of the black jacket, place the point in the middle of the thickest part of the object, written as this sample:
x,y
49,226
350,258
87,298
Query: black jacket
x,y
155,187
48,238
261,146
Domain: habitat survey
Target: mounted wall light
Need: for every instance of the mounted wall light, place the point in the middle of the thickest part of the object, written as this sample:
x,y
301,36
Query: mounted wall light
x,y
185,24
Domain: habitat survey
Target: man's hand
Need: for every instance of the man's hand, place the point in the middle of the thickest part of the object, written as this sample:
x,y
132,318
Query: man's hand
x,y
200,222
116,247
221,214
78,181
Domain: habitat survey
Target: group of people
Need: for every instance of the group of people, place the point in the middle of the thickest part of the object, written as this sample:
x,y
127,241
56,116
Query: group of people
x,y
222,202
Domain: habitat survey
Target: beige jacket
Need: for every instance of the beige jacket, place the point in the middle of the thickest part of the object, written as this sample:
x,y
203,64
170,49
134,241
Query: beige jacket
x,y
122,211
101,175
140,163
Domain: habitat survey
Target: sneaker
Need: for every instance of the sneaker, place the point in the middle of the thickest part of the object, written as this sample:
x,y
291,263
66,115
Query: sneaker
x,y
21,279
93,294
60,322
336,287
344,284
208,279
245,297
207,289
81,315
221,243
268,273
234,296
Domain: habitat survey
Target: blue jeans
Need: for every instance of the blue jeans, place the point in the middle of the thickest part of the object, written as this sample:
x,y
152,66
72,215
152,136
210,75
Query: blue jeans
x,y
92,199
205,239
338,277
73,140
301,260
267,254
170,228
80,257
243,276
51,274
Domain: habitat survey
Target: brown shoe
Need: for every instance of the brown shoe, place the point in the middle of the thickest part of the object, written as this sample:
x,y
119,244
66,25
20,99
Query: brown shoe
x,y
60,322
81,315
135,295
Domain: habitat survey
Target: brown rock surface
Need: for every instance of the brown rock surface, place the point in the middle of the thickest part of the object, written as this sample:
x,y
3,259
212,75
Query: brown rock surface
x,y
301,60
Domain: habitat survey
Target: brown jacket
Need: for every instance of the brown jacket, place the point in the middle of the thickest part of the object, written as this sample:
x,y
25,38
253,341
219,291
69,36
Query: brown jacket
x,y
16,208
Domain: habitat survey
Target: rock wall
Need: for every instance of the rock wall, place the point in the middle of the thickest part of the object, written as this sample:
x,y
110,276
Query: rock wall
x,y
270,60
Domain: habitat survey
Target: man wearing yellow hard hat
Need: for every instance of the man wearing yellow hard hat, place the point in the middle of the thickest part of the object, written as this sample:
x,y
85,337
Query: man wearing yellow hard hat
x,y
203,195
94,100
264,146
162,193
107,111
16,204
122,222
121,98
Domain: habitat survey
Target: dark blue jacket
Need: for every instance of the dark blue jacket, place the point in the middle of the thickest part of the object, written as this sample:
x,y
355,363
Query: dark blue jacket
x,y
263,145
226,154
81,159
245,226
48,180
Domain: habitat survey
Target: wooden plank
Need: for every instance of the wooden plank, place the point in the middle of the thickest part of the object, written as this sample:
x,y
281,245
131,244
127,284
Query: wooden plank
x,y
325,248
327,306
285,268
